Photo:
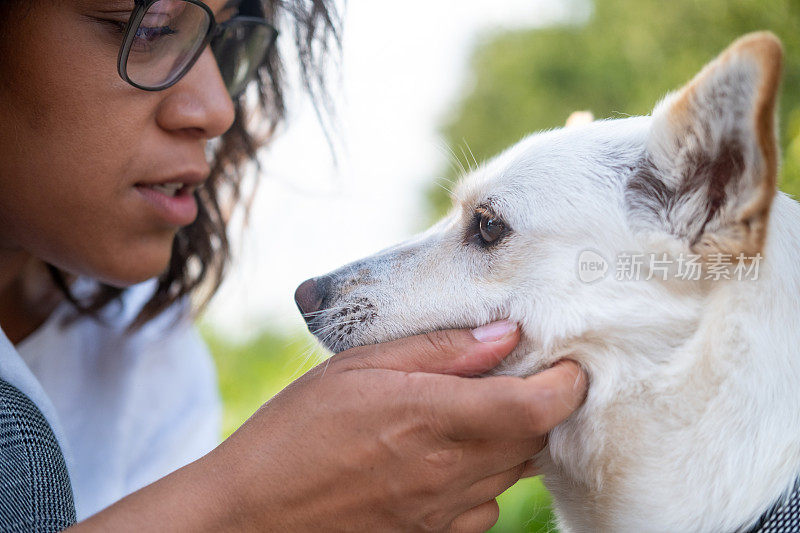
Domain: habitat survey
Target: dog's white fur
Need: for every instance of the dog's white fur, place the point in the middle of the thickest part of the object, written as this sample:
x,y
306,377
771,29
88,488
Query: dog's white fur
x,y
691,422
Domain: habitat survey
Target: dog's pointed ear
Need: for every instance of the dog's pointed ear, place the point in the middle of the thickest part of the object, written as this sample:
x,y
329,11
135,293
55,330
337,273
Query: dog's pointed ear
x,y
712,155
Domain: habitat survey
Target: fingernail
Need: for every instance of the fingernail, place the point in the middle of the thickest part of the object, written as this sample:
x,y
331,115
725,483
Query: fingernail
x,y
494,331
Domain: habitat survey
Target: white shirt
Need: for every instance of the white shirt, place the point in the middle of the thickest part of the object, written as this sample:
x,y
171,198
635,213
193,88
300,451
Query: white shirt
x,y
126,410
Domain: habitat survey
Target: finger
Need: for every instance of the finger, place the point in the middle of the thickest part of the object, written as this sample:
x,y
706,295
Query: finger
x,y
456,351
493,486
508,407
487,458
477,519
531,469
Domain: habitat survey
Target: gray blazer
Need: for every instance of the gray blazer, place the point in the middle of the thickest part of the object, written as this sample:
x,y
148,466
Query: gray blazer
x,y
35,491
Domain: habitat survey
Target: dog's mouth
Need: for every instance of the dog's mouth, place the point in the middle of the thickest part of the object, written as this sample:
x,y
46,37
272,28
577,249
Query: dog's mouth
x,y
341,327
359,322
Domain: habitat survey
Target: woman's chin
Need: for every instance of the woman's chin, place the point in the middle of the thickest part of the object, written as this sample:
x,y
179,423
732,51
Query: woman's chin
x,y
133,274
122,270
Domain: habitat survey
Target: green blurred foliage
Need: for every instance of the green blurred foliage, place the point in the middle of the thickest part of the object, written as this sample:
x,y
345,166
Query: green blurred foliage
x,y
251,373
626,57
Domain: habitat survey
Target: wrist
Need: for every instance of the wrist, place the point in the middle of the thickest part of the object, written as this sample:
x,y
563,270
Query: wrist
x,y
212,495
196,497
241,496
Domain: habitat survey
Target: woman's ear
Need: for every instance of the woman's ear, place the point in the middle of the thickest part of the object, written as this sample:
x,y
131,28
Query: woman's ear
x,y
712,154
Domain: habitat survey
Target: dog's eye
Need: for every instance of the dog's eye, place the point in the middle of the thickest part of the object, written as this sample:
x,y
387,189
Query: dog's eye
x,y
486,228
491,227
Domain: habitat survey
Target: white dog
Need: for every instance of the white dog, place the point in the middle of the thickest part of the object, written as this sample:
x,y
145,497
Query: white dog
x,y
585,236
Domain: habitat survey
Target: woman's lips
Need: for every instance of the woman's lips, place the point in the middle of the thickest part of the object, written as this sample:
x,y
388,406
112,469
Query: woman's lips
x,y
178,210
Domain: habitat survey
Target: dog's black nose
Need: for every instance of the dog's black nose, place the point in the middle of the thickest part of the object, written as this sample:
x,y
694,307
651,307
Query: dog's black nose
x,y
308,297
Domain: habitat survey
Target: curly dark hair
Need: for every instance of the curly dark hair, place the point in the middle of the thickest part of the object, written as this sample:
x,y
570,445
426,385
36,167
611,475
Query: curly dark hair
x,y
201,252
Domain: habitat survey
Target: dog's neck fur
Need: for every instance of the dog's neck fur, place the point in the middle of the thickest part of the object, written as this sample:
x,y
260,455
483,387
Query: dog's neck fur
x,y
721,407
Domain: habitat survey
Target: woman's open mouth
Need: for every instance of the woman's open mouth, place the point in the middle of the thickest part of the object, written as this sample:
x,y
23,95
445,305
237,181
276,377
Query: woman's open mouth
x,y
174,202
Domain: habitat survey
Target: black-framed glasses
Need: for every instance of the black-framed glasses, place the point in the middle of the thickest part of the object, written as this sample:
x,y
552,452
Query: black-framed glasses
x,y
164,38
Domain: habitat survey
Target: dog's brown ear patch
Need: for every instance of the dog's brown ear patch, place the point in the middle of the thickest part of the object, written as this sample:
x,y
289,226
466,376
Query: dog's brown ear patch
x,y
712,155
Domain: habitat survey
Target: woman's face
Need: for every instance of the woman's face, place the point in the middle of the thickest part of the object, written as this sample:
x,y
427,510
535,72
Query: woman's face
x,y
78,144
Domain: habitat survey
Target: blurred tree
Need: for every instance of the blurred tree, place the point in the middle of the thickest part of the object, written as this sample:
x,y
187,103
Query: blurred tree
x,y
626,57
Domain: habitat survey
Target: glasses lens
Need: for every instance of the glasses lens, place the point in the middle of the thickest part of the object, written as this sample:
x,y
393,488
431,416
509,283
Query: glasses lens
x,y
240,49
166,41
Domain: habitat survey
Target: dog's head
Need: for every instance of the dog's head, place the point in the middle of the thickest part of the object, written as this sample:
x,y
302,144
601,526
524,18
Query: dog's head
x,y
540,233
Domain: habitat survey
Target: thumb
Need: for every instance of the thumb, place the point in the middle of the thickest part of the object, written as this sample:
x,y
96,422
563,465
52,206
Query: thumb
x,y
460,352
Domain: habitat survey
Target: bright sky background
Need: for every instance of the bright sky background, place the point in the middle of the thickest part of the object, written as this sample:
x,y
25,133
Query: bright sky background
x,y
403,68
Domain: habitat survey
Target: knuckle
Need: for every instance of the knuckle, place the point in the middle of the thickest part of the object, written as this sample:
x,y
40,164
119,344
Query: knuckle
x,y
437,427
445,459
426,411
441,341
420,391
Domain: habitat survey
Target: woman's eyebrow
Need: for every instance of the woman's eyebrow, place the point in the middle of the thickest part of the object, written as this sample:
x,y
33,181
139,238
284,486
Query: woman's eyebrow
x,y
230,4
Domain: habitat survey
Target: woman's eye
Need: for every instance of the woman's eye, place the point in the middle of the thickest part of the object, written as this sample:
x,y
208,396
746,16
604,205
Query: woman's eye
x,y
146,36
150,39
490,227
151,34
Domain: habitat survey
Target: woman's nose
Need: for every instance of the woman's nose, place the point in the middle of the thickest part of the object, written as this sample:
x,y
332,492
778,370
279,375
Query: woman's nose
x,y
199,102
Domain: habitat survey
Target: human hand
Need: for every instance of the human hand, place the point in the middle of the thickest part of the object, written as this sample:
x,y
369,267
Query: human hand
x,y
392,437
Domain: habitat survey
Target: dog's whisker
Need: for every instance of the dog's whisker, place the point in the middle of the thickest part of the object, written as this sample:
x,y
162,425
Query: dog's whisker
x,y
353,273
329,327
439,179
464,153
331,310
324,330
312,350
454,159
470,153
459,162
446,189
325,369
326,310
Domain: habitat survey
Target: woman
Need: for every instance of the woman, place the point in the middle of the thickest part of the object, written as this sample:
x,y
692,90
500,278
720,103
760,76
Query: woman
x,y
123,132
